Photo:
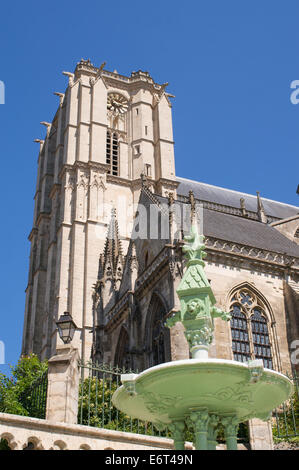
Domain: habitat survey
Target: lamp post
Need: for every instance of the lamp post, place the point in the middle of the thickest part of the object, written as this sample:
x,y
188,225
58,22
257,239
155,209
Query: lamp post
x,y
66,327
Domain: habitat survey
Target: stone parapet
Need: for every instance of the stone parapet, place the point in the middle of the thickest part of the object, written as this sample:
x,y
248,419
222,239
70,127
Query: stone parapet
x,y
38,434
20,431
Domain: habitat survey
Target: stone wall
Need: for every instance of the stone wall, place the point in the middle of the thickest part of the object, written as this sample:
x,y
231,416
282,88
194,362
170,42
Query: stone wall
x,y
20,431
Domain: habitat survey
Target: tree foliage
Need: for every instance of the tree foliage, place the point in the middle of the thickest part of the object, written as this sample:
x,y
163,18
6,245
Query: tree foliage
x,y
23,375
286,422
96,409
13,388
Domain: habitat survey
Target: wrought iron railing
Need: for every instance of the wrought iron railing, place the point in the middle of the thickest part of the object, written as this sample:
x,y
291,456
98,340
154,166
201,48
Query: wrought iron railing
x,y
97,385
99,381
34,398
285,420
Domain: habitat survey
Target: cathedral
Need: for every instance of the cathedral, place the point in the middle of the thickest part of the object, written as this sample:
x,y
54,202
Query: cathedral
x,y
109,220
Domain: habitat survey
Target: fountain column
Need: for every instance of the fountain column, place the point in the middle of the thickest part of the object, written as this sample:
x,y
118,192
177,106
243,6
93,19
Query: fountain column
x,y
177,429
212,432
200,421
231,425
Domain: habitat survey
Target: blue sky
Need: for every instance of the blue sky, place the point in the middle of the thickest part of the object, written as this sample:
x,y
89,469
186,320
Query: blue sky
x,y
229,63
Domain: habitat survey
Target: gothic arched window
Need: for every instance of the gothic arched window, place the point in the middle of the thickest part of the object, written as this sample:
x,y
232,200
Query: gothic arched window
x,y
156,331
260,338
158,348
240,340
122,355
112,152
249,328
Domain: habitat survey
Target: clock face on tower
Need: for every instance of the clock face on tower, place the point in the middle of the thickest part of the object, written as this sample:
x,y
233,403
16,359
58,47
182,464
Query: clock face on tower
x,y
116,103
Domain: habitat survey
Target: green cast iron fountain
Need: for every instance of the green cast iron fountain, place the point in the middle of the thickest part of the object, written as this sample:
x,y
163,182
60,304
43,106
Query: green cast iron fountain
x,y
201,393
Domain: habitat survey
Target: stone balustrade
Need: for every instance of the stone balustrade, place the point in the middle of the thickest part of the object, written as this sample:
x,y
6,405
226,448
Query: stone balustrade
x,y
38,434
23,433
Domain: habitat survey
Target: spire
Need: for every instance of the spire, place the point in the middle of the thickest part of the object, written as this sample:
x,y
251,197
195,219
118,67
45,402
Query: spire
x,y
192,206
260,209
113,250
171,217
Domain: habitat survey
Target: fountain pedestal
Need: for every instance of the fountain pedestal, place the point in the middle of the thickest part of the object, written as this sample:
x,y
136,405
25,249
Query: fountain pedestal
x,y
201,393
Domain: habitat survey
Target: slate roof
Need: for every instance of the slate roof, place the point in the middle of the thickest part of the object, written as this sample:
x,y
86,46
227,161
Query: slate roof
x,y
228,197
247,232
244,231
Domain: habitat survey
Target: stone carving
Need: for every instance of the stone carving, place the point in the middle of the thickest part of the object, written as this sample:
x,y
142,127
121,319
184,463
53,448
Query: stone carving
x,y
71,181
83,180
203,336
197,299
160,402
212,428
177,429
248,252
239,393
230,424
200,420
98,182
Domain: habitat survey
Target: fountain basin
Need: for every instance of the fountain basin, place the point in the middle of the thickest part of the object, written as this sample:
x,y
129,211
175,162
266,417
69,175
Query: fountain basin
x,y
171,391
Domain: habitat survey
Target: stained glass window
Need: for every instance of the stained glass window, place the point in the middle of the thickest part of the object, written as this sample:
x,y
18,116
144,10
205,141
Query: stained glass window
x,y
260,338
240,340
249,329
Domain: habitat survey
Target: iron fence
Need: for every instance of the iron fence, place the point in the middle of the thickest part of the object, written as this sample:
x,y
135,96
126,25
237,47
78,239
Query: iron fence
x,y
285,419
34,398
97,385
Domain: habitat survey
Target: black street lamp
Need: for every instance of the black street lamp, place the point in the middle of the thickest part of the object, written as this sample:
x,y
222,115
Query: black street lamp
x,y
66,327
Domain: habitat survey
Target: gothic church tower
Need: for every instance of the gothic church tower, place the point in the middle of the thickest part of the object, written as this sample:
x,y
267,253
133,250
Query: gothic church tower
x,y
109,129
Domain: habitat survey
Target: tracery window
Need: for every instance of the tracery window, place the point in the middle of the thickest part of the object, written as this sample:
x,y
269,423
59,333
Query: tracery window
x,y
158,341
260,338
112,152
156,331
249,328
240,340
122,354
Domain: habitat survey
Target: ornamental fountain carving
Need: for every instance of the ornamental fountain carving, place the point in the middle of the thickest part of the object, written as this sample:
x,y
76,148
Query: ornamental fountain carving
x,y
201,393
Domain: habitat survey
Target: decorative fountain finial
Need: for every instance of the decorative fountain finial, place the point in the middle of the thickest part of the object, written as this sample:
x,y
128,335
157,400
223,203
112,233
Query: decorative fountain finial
x,y
194,246
197,299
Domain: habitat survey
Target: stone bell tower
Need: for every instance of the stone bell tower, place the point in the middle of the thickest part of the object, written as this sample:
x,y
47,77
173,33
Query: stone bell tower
x,y
108,130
